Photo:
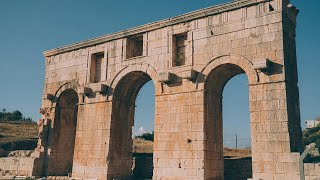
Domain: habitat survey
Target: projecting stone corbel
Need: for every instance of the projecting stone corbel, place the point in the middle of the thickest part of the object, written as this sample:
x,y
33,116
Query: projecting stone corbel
x,y
165,77
50,97
84,91
92,89
98,88
189,74
261,65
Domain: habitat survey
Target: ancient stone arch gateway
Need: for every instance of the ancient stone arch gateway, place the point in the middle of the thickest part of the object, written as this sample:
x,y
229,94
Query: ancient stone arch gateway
x,y
91,87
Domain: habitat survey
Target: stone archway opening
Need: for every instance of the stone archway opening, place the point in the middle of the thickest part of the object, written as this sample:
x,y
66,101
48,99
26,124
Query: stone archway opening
x,y
220,167
143,132
236,129
63,134
120,157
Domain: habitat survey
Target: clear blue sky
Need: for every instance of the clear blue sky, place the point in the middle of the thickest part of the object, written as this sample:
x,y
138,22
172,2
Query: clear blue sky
x,y
27,28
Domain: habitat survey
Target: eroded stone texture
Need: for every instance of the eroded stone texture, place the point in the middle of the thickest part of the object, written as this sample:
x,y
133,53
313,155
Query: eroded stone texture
x,y
189,59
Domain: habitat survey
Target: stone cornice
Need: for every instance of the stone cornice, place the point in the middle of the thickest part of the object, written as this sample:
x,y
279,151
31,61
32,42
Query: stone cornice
x,y
236,4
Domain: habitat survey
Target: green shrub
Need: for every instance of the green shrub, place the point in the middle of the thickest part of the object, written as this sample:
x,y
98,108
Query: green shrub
x,y
13,116
147,136
311,135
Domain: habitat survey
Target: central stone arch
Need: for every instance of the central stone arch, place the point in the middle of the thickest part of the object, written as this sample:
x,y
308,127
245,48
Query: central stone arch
x,y
122,120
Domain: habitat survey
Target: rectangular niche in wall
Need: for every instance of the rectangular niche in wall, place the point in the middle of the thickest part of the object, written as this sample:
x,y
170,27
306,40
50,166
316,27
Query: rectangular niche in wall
x,y
134,46
95,70
180,43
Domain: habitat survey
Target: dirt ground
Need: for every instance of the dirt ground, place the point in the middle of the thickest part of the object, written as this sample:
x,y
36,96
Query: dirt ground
x,y
143,146
237,162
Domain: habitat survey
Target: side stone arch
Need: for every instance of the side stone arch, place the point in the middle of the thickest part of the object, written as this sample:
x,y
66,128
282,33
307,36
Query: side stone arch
x,y
267,103
60,126
50,113
125,88
234,59
62,131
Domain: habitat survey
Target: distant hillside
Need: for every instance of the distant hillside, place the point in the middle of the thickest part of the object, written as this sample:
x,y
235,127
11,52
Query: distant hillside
x,y
142,146
18,135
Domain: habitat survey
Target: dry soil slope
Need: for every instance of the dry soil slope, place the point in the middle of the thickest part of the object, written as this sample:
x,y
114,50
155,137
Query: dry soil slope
x,y
16,135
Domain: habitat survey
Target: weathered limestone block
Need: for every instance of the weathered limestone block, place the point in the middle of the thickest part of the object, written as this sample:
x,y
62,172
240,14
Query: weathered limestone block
x,y
189,74
16,166
165,77
261,64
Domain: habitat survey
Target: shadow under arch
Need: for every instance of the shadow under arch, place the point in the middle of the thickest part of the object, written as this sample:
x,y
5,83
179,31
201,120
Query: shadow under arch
x,y
214,84
122,120
61,136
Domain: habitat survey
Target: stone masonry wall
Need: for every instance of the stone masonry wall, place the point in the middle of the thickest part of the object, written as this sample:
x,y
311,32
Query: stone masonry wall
x,y
16,166
91,148
244,36
311,171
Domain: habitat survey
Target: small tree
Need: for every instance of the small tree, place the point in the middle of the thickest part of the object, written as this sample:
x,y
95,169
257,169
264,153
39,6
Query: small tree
x,y
15,115
147,136
311,135
2,113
